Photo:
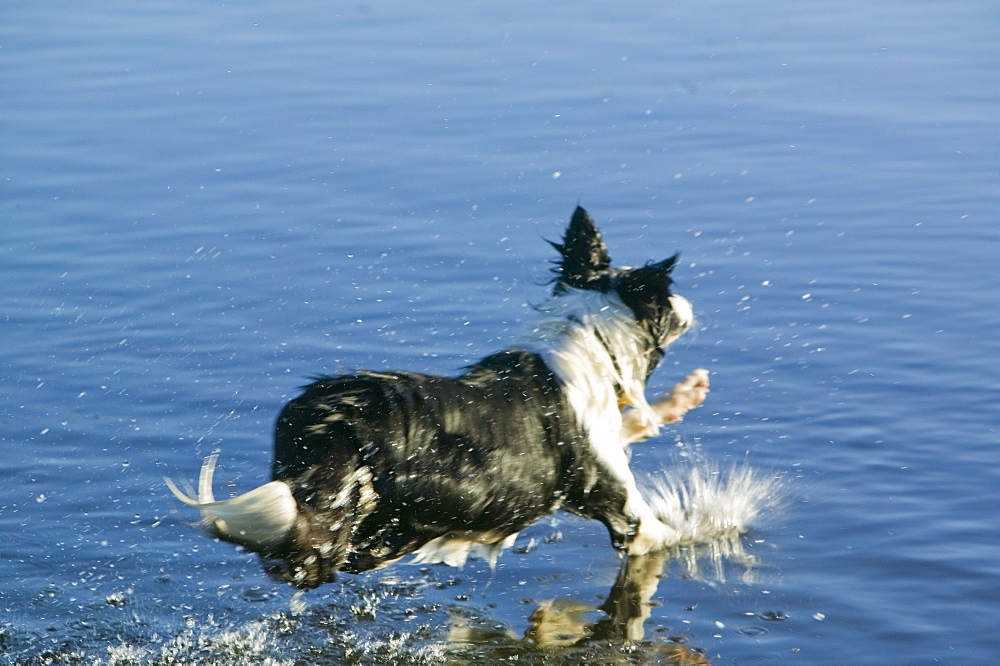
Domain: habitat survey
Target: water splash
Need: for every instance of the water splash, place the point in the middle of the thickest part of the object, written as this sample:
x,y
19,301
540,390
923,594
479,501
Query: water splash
x,y
713,508
210,643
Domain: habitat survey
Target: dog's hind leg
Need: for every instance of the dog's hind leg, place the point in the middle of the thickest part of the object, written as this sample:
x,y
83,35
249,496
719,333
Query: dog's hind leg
x,y
333,498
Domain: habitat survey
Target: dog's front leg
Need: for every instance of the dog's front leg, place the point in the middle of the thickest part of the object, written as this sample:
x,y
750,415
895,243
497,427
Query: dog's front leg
x,y
689,393
634,526
651,534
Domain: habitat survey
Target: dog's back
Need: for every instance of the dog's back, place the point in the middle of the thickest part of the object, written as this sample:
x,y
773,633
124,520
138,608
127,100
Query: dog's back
x,y
434,451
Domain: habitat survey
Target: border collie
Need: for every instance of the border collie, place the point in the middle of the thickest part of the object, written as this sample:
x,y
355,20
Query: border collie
x,y
374,466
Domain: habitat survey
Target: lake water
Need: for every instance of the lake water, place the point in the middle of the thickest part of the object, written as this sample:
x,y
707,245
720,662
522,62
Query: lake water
x,y
204,204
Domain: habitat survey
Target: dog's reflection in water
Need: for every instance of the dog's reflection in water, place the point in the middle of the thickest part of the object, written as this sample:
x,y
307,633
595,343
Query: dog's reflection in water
x,y
564,625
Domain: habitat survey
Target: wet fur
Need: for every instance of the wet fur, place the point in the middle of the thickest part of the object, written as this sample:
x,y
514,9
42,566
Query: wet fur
x,y
375,466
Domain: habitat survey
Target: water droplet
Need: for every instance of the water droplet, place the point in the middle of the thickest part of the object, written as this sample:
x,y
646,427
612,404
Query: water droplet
x,y
752,631
773,616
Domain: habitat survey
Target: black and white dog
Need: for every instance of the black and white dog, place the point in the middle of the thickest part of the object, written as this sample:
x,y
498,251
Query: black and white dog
x,y
374,466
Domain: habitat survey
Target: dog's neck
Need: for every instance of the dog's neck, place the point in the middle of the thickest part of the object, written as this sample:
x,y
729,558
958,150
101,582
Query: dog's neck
x,y
592,342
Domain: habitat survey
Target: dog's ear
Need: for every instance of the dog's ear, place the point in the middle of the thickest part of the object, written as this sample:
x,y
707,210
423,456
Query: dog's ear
x,y
646,290
585,261
664,267
649,277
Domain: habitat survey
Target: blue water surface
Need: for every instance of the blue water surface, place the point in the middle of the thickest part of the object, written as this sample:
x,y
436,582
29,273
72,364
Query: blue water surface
x,y
204,204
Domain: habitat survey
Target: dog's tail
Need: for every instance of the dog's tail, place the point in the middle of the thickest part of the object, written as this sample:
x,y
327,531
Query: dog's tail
x,y
258,520
303,537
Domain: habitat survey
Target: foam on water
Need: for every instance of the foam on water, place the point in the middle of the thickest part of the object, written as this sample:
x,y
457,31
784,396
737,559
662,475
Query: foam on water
x,y
210,643
358,624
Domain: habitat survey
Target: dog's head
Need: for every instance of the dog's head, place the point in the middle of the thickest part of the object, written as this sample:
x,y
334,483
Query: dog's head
x,y
585,264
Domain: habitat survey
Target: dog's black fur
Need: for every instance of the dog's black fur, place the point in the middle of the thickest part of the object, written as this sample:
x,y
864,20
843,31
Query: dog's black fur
x,y
381,464
491,451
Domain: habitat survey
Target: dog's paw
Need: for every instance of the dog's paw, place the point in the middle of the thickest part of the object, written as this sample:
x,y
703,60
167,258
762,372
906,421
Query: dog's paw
x,y
652,536
689,393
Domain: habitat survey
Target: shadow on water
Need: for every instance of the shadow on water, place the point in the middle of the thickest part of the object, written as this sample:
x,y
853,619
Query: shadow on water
x,y
567,631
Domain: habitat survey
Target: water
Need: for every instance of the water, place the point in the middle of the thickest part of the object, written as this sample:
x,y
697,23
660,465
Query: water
x,y
204,204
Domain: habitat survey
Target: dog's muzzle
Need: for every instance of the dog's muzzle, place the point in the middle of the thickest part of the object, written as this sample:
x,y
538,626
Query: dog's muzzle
x,y
683,315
